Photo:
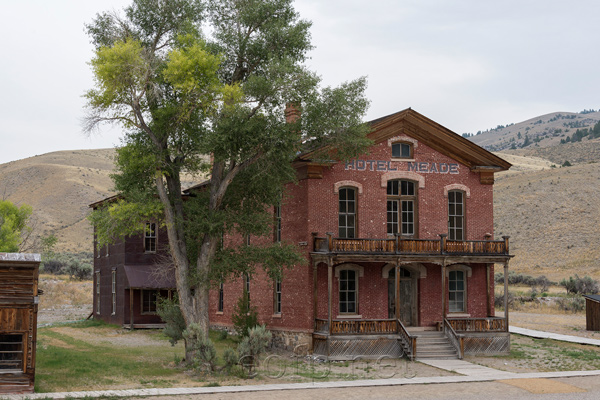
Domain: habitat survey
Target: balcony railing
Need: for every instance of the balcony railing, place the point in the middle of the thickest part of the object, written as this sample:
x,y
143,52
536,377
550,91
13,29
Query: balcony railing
x,y
400,245
492,324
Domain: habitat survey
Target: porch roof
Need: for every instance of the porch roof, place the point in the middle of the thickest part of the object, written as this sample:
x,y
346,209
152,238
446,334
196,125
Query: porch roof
x,y
149,277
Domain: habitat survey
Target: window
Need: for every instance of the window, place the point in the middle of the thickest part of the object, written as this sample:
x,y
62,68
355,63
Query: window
x,y
277,224
401,207
98,292
11,352
150,237
247,288
456,215
220,306
347,213
348,292
277,297
149,301
114,292
402,150
456,291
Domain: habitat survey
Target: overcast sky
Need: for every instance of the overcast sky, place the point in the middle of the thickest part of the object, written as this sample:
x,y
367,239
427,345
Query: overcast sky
x,y
467,64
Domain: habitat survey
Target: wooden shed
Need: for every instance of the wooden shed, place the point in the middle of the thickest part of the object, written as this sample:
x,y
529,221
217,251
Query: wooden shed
x,y
592,312
18,321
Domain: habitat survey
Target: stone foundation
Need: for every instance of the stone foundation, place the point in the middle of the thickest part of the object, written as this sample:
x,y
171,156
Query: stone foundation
x,y
292,340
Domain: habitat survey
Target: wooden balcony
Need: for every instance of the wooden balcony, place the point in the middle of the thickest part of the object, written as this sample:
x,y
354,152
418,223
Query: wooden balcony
x,y
399,246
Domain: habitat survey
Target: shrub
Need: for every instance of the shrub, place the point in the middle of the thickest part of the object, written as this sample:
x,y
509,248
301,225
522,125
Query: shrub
x,y
170,313
543,282
244,316
253,345
80,271
577,285
205,353
573,304
54,267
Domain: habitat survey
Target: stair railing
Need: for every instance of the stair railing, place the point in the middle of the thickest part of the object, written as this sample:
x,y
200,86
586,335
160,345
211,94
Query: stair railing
x,y
458,341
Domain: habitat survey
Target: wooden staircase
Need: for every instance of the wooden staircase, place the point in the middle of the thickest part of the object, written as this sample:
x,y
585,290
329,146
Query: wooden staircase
x,y
434,345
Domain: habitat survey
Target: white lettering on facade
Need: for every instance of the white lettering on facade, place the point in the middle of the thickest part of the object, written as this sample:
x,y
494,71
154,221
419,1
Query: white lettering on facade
x,y
419,167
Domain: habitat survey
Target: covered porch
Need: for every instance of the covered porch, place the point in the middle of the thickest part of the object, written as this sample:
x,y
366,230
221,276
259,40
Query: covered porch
x,y
407,286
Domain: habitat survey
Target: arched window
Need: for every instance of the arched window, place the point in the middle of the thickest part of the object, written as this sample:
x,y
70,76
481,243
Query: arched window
x,y
401,207
456,215
347,213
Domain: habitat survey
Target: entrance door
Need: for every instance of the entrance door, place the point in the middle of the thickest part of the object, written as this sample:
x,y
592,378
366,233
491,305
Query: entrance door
x,y
408,302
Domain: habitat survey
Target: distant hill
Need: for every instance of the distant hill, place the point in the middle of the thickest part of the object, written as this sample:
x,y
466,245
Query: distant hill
x,y
60,186
539,132
551,213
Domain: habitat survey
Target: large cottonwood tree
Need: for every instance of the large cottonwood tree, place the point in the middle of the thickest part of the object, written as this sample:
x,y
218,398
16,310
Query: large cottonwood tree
x,y
189,79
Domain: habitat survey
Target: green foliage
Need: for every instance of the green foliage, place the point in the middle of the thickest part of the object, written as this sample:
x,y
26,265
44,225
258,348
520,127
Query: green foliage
x,y
188,79
80,271
566,164
205,353
253,346
13,226
578,285
573,304
244,317
170,313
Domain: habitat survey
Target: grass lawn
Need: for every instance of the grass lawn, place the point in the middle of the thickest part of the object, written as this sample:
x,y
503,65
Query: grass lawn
x,y
92,355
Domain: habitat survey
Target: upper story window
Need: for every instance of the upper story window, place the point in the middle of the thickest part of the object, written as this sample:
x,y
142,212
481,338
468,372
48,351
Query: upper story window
x,y
401,207
277,224
456,215
150,237
402,150
347,213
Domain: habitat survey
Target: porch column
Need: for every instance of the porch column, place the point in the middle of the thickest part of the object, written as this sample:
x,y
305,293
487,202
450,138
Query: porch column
x,y
315,295
488,289
131,308
506,293
397,291
329,294
443,292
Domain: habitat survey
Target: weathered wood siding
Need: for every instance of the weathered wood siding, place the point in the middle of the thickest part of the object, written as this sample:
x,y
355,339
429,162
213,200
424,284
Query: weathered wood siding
x,y
592,312
18,321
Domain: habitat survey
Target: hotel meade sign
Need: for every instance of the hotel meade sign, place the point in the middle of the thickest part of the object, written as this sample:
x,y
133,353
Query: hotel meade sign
x,y
419,167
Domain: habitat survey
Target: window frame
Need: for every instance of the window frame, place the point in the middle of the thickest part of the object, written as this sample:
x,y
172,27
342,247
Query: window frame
x,y
98,292
401,143
277,216
221,303
453,227
344,278
277,297
398,199
150,237
345,214
151,309
114,291
454,291
13,348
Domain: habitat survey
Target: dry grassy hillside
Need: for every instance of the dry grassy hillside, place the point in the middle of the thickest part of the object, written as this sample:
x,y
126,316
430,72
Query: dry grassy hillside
x,y
585,151
553,218
543,131
60,186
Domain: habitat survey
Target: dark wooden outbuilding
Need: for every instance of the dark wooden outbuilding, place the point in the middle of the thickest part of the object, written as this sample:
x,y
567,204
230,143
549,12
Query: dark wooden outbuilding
x,y
592,312
18,321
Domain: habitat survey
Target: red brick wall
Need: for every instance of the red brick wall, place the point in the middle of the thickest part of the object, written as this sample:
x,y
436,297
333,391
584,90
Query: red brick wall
x,y
312,206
